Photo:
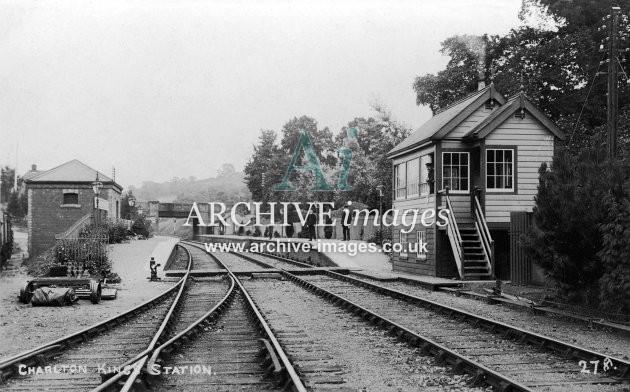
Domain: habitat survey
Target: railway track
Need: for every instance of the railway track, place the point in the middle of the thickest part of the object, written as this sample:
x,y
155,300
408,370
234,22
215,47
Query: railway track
x,y
312,331
201,260
506,357
228,347
80,361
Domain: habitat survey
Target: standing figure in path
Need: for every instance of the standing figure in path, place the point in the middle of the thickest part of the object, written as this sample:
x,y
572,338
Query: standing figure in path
x,y
345,223
311,222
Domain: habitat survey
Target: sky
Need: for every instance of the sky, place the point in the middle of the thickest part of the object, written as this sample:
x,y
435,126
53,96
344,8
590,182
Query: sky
x,y
175,88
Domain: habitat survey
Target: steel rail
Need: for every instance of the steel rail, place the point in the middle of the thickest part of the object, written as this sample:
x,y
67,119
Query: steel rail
x,y
481,374
568,350
281,258
39,355
493,378
293,378
191,331
165,327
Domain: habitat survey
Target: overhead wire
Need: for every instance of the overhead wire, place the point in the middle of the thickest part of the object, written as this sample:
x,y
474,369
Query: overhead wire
x,y
577,121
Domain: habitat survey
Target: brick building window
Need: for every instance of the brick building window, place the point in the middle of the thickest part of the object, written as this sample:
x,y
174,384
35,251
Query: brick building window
x,y
70,196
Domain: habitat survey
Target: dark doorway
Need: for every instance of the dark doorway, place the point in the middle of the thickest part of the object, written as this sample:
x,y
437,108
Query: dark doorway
x,y
501,239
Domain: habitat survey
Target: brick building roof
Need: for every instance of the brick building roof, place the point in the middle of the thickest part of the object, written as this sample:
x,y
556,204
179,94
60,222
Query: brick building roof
x,y
73,171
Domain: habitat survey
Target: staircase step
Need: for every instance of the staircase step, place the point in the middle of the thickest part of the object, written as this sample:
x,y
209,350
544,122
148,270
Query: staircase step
x,y
481,270
480,265
476,261
476,275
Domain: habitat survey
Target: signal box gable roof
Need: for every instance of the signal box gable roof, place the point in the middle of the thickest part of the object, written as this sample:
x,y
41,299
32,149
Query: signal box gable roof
x,y
73,171
514,103
446,119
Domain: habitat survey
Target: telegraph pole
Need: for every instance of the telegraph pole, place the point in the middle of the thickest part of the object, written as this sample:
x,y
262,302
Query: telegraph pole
x,y
613,45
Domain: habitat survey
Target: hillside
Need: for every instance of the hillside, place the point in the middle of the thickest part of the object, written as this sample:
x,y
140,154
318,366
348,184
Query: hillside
x,y
227,187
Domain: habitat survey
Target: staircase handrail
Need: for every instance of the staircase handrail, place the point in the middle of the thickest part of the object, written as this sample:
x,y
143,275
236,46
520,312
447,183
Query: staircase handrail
x,y
73,231
454,234
486,238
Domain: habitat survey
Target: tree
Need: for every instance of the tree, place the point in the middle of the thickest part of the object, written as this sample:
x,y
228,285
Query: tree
x,y
322,138
7,178
370,165
125,208
263,161
467,57
226,170
556,68
580,15
573,200
614,284
17,205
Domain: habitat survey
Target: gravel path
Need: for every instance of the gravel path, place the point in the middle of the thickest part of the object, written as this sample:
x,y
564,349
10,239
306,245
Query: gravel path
x,y
611,343
27,327
331,347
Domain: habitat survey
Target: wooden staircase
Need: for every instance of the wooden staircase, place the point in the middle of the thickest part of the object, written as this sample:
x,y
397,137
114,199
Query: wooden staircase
x,y
471,242
475,263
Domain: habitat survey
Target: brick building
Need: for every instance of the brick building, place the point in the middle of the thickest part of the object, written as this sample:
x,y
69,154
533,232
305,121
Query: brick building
x,y
62,197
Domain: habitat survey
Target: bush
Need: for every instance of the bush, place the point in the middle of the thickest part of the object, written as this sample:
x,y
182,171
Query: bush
x,y
117,232
41,265
248,233
7,248
572,206
89,253
241,230
614,285
380,236
328,232
276,234
257,232
141,226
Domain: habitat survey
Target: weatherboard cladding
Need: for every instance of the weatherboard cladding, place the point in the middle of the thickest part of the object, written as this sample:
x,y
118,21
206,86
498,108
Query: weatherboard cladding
x,y
435,123
468,125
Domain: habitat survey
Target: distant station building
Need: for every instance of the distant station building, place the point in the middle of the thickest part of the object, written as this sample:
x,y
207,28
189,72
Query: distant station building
x,y
479,158
62,198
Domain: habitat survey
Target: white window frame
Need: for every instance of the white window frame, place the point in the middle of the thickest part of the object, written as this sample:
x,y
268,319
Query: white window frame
x,y
398,187
413,186
425,188
421,235
512,175
467,171
404,246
